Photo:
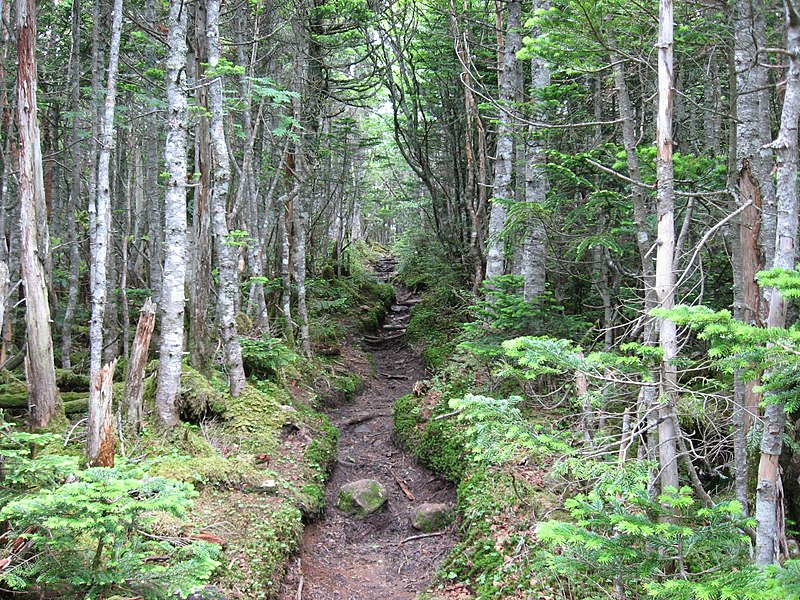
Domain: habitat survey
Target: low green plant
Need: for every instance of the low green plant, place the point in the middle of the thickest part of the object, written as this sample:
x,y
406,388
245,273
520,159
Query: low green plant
x,y
93,537
501,312
671,547
266,358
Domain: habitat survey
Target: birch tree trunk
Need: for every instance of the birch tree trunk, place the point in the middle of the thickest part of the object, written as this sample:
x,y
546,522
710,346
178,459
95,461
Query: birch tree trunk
x,y
768,498
504,162
226,255
100,227
172,290
665,254
536,185
39,367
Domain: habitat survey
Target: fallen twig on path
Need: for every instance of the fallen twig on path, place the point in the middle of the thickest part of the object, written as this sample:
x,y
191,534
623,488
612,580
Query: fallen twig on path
x,y
421,536
403,487
447,415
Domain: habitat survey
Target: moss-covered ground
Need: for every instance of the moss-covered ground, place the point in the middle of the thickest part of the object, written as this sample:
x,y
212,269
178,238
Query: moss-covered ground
x,y
498,505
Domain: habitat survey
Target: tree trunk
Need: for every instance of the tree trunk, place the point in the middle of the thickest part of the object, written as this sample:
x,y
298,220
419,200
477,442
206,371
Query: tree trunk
x,y
767,498
100,211
74,190
226,251
665,254
100,424
536,186
504,162
172,289
202,281
40,369
136,365
753,165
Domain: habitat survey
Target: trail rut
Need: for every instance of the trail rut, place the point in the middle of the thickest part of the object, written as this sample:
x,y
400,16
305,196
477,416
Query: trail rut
x,y
381,557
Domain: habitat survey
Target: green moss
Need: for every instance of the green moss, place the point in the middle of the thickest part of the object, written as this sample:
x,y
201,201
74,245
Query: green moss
x,y
198,397
440,445
273,530
257,415
11,384
347,385
69,381
318,459
407,424
187,456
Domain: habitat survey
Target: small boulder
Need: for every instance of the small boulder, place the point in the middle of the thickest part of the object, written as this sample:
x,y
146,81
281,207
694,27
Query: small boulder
x,y
361,498
431,517
209,592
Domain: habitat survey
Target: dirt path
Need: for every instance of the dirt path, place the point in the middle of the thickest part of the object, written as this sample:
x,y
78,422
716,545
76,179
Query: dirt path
x,y
346,558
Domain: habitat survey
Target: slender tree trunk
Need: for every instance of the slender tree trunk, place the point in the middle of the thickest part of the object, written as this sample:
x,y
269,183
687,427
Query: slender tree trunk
x,y
100,235
504,162
74,191
536,186
39,367
665,254
202,282
284,225
753,165
226,254
768,498
172,290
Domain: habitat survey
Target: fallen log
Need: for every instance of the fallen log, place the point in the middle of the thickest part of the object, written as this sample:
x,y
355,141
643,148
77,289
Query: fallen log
x,y
390,376
74,402
381,340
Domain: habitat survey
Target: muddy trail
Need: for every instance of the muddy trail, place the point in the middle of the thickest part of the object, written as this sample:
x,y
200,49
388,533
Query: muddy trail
x,y
343,557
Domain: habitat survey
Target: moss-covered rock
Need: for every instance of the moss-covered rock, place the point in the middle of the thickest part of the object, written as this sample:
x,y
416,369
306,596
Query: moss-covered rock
x,y
431,517
362,497
198,397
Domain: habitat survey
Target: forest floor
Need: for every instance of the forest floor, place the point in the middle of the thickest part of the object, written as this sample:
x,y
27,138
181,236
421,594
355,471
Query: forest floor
x,y
343,557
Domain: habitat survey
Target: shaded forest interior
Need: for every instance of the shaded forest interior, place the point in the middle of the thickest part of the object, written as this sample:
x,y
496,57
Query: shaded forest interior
x,y
595,201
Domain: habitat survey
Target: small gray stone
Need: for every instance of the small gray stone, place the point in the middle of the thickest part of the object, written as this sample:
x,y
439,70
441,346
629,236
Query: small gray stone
x,y
431,517
361,498
209,592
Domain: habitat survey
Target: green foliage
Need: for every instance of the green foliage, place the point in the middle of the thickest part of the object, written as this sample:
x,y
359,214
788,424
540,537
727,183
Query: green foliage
x,y
423,263
27,467
772,353
266,358
435,324
92,537
672,548
501,312
497,432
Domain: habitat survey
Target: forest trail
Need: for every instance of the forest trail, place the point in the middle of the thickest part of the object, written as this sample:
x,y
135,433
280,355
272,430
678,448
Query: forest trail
x,y
343,557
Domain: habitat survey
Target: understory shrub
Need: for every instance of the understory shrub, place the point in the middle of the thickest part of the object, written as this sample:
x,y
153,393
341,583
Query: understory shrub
x,y
95,536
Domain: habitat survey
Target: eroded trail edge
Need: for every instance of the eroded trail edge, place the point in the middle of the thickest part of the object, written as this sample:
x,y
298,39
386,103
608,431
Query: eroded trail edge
x,y
344,557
